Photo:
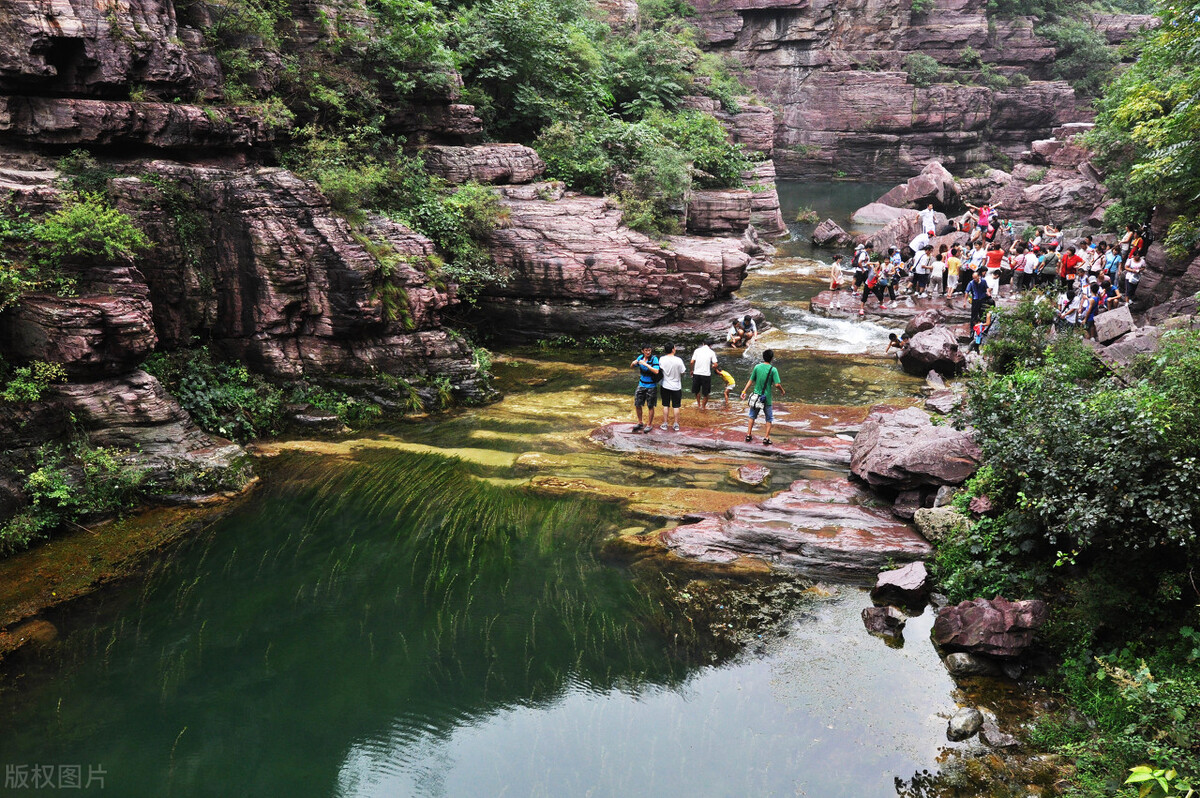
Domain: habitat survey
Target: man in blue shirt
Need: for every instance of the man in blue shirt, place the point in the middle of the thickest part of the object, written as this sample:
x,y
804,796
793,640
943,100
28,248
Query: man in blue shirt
x,y
977,292
647,390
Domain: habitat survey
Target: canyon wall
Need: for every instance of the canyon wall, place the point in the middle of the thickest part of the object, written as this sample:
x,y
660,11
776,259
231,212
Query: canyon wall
x,y
833,70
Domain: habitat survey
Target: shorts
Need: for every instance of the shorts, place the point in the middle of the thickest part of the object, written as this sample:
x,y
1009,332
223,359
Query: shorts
x,y
767,411
671,397
645,396
701,384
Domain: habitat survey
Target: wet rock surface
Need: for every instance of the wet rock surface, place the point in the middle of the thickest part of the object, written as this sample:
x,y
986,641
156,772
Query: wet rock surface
x,y
830,234
935,349
997,627
821,450
965,723
902,449
960,664
906,586
825,528
751,475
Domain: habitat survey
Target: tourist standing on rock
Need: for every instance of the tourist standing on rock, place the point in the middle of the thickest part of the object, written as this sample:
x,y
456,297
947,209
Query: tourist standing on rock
x,y
995,264
673,370
937,276
1028,264
1090,311
704,360
1068,267
1132,275
980,329
647,390
977,294
872,286
1068,310
860,261
922,266
953,270
928,225
1127,241
835,273
763,379
978,257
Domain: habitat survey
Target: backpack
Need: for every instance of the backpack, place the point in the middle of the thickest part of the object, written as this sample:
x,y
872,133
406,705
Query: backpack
x,y
657,377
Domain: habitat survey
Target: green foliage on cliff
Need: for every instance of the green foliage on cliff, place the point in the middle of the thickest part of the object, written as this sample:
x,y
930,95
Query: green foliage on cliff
x,y
87,227
653,164
71,484
1147,133
27,383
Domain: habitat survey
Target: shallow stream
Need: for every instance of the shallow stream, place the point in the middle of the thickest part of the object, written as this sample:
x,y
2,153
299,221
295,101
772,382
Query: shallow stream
x,y
430,610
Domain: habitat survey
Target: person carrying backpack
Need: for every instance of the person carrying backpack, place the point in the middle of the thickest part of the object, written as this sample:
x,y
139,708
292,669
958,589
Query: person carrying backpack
x,y
650,374
763,379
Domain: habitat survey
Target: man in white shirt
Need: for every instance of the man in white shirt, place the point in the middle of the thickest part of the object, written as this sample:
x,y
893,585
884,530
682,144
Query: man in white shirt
x,y
671,389
704,360
928,226
922,265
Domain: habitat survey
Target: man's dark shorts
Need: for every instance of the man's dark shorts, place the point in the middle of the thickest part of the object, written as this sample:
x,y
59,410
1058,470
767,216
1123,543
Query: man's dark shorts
x,y
672,398
646,396
701,384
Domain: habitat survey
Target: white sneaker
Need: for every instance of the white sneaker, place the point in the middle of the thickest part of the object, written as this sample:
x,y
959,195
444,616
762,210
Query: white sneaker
x,y
676,428
664,426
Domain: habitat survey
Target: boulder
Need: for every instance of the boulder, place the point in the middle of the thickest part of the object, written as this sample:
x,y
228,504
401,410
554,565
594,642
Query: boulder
x,y
943,401
934,185
991,735
925,320
830,234
934,380
1121,353
751,475
877,213
961,664
901,449
1112,324
906,586
823,528
998,628
981,505
964,724
907,503
884,621
936,349
936,523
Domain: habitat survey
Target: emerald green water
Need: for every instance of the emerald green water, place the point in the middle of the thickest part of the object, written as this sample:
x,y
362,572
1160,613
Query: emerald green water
x,y
426,611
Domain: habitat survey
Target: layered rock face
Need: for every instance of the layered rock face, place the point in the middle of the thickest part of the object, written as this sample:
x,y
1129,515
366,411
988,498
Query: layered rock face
x,y
834,70
573,267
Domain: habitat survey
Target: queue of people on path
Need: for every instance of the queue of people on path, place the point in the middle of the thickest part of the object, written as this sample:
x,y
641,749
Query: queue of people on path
x,y
1093,275
660,377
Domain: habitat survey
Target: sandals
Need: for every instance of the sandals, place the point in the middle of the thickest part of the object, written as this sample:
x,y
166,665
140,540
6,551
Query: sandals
x,y
749,438
766,441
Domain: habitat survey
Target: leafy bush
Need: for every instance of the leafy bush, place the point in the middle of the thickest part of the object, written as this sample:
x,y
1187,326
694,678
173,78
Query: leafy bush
x,y
87,227
1183,237
1149,121
70,484
922,69
223,398
84,174
352,411
1083,57
922,6
26,383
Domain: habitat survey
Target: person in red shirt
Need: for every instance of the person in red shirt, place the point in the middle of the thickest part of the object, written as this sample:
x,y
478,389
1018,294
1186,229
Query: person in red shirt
x,y
1067,266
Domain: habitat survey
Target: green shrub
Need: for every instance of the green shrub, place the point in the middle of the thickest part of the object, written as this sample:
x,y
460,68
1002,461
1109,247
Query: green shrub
x,y
26,383
922,69
87,227
1083,56
922,6
69,484
84,174
353,412
1183,237
226,399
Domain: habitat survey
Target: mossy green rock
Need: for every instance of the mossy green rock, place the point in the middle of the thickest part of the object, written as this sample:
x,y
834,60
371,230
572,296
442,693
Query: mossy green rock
x,y
937,523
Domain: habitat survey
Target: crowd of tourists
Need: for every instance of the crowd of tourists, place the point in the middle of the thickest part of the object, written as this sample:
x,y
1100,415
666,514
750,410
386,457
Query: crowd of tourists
x,y
661,377
1092,276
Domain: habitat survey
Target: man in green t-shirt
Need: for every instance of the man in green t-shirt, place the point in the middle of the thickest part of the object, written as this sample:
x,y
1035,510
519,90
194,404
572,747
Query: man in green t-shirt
x,y
763,379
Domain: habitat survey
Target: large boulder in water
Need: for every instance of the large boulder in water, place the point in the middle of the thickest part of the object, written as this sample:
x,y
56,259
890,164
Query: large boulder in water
x,y
901,449
830,234
906,586
998,628
934,349
925,320
934,185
